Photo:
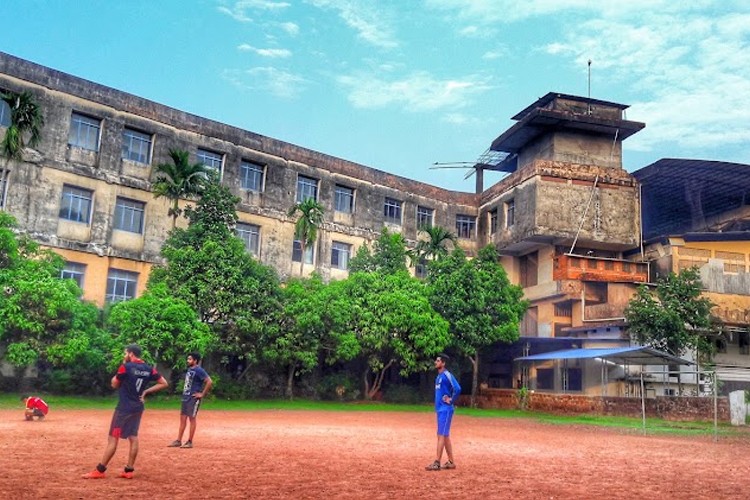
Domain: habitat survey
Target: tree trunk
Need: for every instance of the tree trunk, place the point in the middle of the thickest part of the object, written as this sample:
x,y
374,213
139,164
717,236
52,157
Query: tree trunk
x,y
175,206
366,380
474,378
290,382
378,381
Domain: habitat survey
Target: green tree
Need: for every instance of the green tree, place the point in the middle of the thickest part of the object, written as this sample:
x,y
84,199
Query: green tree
x,y
208,267
180,179
164,326
385,320
297,343
477,299
672,316
26,119
41,315
308,224
388,256
436,245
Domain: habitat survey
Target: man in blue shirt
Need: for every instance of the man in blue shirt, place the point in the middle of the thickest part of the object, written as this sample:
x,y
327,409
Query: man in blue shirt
x,y
131,380
447,391
197,385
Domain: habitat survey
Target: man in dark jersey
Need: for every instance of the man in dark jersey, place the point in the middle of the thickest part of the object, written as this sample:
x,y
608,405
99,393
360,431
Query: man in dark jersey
x,y
447,391
197,385
132,380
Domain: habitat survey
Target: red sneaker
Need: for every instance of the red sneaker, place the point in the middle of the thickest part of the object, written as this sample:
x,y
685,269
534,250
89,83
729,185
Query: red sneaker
x,y
94,474
126,475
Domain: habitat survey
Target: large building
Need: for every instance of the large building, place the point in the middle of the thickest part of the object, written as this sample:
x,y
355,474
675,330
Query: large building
x,y
565,218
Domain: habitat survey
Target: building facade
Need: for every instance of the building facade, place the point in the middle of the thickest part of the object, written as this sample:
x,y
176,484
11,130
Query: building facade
x,y
565,219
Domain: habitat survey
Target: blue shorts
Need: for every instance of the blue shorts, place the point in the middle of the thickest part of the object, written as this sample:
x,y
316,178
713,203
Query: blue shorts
x,y
190,407
444,419
125,425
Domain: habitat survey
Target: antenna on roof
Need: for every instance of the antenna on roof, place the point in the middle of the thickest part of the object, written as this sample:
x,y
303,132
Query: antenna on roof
x,y
589,86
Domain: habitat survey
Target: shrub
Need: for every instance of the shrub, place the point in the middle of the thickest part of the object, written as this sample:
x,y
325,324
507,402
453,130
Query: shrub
x,y
403,394
338,387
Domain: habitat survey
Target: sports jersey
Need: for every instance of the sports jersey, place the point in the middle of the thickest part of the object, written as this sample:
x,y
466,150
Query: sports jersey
x,y
34,403
194,379
446,385
134,377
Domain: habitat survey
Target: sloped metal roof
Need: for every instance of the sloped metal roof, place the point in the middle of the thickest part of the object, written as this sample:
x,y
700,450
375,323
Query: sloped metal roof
x,y
637,355
680,195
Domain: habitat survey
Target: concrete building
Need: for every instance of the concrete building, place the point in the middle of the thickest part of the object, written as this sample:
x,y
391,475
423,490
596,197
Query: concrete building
x,y
565,218
696,213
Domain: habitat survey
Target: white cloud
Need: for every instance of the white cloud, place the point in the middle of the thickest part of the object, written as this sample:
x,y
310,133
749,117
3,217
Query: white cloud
x,y
238,10
291,29
368,19
688,72
420,91
277,82
272,53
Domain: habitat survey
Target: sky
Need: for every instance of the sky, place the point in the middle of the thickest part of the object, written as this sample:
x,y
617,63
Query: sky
x,y
399,85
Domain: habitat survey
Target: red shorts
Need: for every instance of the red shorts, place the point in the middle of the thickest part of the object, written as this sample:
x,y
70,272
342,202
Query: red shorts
x,y
125,425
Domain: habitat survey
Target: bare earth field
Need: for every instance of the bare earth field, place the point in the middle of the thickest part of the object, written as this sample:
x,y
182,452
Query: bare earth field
x,y
308,454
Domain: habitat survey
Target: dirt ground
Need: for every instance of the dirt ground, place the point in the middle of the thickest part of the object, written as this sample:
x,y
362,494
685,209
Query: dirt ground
x,y
307,454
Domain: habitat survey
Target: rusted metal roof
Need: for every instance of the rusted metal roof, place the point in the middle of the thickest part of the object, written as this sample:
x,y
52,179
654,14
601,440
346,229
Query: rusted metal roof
x,y
682,196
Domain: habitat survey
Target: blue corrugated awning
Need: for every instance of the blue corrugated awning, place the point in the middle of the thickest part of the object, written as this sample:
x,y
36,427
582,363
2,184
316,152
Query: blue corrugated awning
x,y
637,355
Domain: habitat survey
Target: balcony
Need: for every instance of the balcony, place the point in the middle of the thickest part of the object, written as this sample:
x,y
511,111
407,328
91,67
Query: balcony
x,y
586,268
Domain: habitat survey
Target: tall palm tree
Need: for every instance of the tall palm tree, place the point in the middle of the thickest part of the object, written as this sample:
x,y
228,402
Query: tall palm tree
x,y
25,119
307,226
436,245
180,179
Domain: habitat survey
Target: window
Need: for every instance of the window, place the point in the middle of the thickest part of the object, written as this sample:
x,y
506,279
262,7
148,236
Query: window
x,y
4,113
74,271
306,188
250,235
392,211
3,186
465,225
251,176
564,309
340,253
136,146
510,213
545,379
493,221
76,204
84,131
529,269
344,201
121,285
424,217
129,215
210,159
297,253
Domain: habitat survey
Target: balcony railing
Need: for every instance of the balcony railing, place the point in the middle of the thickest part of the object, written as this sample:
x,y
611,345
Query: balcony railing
x,y
589,268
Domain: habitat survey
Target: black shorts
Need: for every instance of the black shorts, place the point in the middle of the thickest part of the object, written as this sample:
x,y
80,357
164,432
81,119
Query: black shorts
x,y
190,407
125,425
38,412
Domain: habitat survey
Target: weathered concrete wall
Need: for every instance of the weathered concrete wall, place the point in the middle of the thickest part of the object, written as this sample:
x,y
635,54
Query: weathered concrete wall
x,y
35,184
551,200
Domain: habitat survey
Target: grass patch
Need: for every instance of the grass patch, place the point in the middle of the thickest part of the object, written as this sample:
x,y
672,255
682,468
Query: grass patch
x,y
172,402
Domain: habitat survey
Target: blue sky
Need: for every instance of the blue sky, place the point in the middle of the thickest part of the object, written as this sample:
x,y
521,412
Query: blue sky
x,y
400,84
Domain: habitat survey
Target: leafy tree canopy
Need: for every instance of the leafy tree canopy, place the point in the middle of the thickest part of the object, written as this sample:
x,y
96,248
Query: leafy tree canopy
x,y
167,328
386,320
26,119
209,268
388,256
673,316
40,314
478,300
